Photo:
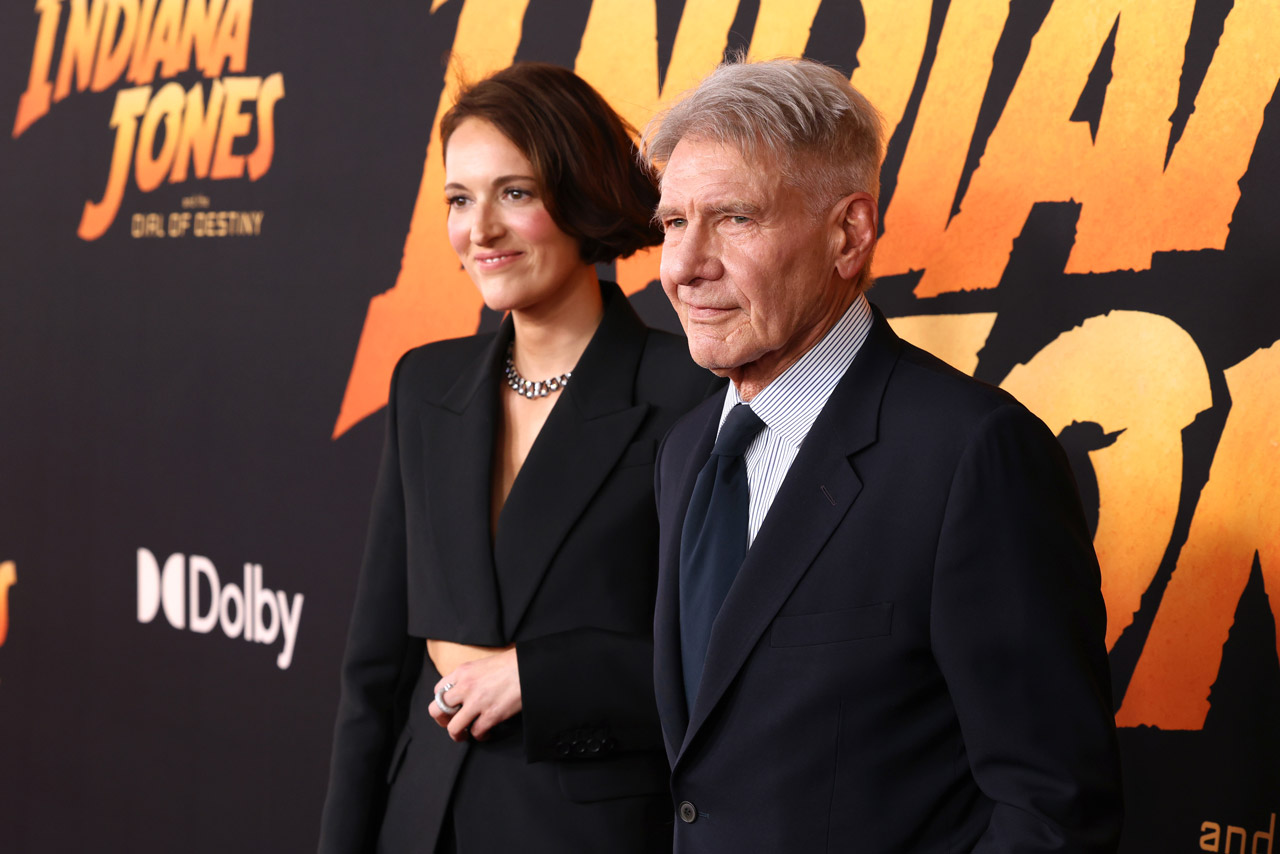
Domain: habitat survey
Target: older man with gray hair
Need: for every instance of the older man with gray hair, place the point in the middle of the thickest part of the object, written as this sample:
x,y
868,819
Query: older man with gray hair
x,y
879,625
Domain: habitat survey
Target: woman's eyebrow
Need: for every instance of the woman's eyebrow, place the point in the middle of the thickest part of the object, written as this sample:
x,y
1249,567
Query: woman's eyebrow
x,y
501,179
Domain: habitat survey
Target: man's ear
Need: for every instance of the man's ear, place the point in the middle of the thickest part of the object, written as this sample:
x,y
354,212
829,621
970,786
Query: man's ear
x,y
858,224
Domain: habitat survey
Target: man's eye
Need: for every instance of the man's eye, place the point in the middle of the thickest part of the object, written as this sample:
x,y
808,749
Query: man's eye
x,y
739,219
674,222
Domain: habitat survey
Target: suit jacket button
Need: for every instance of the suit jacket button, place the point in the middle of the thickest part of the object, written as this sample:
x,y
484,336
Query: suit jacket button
x,y
688,812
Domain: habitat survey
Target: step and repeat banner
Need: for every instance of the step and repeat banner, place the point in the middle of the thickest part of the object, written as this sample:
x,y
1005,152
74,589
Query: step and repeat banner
x,y
222,222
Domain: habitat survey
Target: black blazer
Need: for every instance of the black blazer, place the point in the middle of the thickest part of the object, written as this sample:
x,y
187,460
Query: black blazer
x,y
911,658
570,580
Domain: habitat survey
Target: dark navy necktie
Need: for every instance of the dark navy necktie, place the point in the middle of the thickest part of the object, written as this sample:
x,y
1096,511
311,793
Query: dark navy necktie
x,y
713,542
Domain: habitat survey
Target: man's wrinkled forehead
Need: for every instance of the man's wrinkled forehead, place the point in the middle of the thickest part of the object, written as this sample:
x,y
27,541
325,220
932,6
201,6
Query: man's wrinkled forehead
x,y
702,166
730,155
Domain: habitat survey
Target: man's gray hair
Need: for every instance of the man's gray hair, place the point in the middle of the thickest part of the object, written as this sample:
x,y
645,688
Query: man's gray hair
x,y
801,115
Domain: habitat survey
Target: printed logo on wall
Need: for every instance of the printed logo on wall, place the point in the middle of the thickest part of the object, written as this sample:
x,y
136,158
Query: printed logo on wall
x,y
8,578
970,214
1212,833
193,597
145,41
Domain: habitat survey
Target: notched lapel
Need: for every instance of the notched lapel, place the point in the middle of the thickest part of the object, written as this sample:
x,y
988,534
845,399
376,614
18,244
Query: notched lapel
x,y
800,521
669,690
578,446
818,492
458,433
564,470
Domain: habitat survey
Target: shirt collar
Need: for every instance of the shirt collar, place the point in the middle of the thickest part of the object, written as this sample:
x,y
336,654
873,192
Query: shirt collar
x,y
790,404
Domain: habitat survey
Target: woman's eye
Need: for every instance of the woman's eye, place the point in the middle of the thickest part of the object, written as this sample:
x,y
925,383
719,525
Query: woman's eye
x,y
516,194
456,201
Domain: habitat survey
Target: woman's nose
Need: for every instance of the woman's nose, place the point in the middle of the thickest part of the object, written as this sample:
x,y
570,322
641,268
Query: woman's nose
x,y
486,225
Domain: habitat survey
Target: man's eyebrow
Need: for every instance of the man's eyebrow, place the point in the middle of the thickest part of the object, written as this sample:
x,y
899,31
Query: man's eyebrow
x,y
727,207
663,212
734,207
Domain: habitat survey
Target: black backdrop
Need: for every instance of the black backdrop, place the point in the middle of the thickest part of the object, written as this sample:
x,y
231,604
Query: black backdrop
x,y
179,394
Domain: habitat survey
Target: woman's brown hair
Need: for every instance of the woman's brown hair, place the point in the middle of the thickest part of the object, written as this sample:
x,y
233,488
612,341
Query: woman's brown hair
x,y
581,150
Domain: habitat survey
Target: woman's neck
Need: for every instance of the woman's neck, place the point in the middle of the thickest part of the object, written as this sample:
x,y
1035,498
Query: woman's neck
x,y
550,337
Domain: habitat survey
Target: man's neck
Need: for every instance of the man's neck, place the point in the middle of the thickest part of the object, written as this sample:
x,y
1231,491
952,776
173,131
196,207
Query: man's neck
x,y
752,378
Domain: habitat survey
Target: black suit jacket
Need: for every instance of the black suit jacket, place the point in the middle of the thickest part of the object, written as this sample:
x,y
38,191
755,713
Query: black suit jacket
x,y
570,580
911,658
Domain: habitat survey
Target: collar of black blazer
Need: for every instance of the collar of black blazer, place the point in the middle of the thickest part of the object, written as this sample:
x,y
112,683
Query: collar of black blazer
x,y
586,432
614,352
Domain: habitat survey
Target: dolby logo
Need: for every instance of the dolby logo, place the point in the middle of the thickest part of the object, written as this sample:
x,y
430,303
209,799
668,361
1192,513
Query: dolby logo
x,y
193,596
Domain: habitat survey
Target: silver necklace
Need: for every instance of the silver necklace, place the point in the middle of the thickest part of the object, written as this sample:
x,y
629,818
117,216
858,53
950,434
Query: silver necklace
x,y
532,388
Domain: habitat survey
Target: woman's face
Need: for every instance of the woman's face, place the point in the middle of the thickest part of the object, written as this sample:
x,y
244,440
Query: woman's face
x,y
503,234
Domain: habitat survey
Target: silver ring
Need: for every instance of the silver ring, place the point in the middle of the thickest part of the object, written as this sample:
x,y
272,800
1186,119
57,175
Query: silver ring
x,y
445,707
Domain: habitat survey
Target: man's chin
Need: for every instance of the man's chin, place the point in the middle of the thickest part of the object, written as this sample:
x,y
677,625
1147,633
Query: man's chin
x,y
711,358
717,355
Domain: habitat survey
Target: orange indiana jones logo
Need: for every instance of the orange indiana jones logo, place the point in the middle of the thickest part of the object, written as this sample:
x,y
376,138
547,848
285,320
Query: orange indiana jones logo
x,y
1131,183
145,42
1035,153
8,577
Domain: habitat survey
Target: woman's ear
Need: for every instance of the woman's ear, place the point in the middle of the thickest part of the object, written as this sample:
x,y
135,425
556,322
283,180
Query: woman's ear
x,y
858,224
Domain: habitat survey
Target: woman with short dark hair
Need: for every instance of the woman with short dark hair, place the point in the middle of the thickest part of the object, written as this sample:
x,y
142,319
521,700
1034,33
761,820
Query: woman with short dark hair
x,y
497,688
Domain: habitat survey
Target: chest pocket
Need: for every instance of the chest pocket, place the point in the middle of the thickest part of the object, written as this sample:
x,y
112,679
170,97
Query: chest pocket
x,y
849,624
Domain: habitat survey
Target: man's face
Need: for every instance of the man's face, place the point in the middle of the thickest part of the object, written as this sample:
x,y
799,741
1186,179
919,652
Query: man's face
x,y
749,268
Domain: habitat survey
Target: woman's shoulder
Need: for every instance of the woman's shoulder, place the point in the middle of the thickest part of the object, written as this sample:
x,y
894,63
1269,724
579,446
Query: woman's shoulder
x,y
668,374
436,366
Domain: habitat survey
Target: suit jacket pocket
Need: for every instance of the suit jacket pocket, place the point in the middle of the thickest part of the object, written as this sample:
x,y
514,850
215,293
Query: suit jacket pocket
x,y
639,453
397,755
868,621
624,776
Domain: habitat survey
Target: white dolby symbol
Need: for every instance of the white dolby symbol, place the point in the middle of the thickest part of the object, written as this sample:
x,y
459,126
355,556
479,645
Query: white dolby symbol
x,y
254,612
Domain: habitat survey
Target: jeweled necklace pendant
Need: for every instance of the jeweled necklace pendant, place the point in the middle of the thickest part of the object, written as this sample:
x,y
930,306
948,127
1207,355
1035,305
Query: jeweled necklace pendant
x,y
532,388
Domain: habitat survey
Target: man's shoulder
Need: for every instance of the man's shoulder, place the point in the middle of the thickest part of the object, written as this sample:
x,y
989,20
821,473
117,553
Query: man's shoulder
x,y
927,382
942,407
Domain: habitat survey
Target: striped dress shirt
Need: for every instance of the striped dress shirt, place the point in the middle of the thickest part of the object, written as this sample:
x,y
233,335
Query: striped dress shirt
x,y
790,404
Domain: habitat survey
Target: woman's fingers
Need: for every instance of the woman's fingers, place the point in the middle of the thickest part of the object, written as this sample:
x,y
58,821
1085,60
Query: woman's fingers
x,y
486,689
460,725
444,690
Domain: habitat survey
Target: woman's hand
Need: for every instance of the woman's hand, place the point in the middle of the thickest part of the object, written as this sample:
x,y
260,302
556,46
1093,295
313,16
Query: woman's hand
x,y
488,689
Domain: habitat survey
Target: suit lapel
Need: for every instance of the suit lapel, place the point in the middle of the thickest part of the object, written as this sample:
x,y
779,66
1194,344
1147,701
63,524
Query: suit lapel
x,y
819,490
459,436
669,690
581,441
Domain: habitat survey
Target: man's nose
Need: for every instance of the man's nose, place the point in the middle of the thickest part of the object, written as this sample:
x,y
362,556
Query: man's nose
x,y
694,258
